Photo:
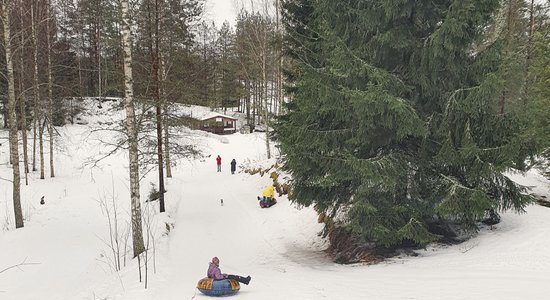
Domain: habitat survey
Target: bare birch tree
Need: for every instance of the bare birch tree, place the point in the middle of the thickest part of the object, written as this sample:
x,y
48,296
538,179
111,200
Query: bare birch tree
x,y
22,97
12,121
137,230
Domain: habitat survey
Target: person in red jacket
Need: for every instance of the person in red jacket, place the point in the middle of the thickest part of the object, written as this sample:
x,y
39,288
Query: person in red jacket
x,y
219,162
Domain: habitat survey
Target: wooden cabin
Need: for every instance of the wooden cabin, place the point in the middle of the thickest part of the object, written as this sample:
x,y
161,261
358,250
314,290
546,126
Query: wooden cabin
x,y
218,123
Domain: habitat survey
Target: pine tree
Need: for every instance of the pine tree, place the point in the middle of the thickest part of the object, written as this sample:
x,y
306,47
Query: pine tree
x,y
395,126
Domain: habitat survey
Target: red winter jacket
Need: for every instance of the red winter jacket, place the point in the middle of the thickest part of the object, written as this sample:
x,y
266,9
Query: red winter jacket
x,y
219,160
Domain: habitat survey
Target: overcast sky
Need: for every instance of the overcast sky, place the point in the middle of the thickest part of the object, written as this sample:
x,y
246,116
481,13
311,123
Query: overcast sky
x,y
221,10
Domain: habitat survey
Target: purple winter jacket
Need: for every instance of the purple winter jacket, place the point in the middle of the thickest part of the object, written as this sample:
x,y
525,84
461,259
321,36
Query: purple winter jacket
x,y
214,272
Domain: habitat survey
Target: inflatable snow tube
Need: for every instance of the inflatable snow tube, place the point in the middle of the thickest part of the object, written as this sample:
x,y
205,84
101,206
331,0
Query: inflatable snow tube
x,y
225,287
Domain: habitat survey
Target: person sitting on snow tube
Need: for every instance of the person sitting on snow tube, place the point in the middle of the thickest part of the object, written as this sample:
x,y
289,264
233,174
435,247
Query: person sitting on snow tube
x,y
219,284
268,197
215,273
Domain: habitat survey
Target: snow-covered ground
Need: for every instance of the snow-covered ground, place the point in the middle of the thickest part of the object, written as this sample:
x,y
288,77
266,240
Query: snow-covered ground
x,y
66,240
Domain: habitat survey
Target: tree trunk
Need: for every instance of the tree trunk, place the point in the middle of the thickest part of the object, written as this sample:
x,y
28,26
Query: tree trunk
x,y
158,105
166,150
137,230
98,55
166,128
80,33
22,104
280,98
37,109
529,51
265,92
50,89
41,147
12,121
531,29
154,52
248,98
254,101
36,91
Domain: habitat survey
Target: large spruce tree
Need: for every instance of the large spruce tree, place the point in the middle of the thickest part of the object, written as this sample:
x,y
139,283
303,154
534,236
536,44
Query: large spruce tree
x,y
397,127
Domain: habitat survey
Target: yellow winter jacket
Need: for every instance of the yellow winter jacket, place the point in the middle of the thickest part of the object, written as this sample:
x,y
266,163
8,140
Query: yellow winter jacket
x,y
269,192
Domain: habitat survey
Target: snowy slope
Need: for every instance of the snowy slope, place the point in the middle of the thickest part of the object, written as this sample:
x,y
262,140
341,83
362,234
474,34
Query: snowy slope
x,y
279,247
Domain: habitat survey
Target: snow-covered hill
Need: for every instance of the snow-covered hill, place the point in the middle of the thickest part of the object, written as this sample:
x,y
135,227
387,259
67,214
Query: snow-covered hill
x,y
67,239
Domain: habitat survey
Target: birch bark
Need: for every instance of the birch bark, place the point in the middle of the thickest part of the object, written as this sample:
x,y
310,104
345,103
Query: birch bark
x,y
12,121
137,230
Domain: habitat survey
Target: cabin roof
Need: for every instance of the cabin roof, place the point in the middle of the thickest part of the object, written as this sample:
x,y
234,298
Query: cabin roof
x,y
212,115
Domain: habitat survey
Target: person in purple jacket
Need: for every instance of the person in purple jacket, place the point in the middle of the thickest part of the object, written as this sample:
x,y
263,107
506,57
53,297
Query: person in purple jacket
x,y
215,273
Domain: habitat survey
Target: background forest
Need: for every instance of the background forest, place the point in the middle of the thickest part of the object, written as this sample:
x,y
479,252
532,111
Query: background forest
x,y
177,53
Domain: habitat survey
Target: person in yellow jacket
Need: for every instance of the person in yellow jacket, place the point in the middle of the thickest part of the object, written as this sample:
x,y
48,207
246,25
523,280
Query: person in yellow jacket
x,y
268,197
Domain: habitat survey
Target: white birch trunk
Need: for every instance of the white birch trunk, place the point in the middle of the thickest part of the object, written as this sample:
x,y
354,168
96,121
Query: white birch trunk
x,y
137,230
22,105
12,121
264,79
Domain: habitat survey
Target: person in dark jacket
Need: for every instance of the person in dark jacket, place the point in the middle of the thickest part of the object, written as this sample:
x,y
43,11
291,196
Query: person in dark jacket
x,y
219,163
215,273
233,166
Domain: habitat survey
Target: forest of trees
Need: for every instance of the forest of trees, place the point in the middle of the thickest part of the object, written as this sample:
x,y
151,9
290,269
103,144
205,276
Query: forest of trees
x,y
407,114
396,119
194,61
151,53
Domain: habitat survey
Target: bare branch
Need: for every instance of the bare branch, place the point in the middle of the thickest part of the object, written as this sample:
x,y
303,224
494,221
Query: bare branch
x,y
19,265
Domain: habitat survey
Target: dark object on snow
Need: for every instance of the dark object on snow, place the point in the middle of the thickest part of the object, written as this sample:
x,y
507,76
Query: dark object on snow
x,y
42,200
154,194
542,200
233,166
492,218
267,202
245,280
221,202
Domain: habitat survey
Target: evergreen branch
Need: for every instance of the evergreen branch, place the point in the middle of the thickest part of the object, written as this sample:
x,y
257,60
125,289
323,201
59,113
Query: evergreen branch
x,y
455,183
453,100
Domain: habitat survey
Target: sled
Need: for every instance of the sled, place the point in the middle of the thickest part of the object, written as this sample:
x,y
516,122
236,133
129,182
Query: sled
x,y
225,287
271,203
